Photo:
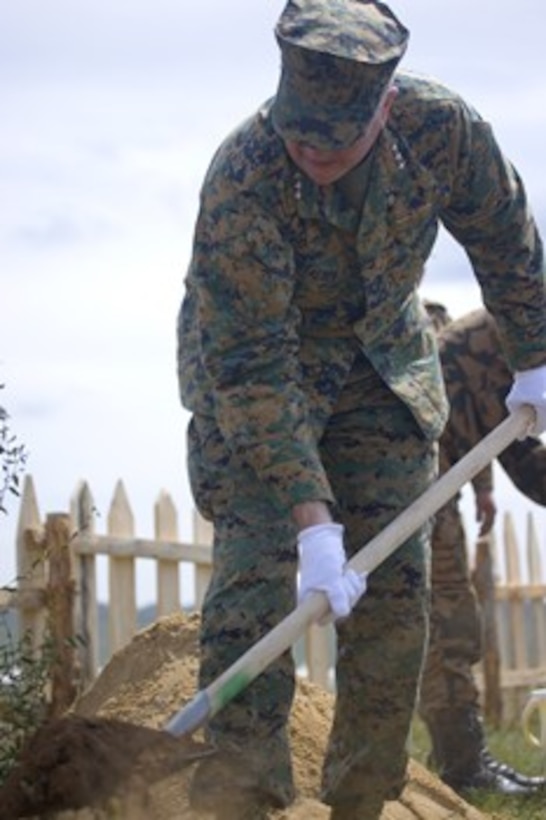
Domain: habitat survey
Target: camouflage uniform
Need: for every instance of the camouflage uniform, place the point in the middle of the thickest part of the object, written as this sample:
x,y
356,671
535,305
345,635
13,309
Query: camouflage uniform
x,y
477,380
311,371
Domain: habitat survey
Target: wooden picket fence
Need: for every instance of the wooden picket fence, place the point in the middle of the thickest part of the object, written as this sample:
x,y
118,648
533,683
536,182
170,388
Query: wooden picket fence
x,y
513,620
56,591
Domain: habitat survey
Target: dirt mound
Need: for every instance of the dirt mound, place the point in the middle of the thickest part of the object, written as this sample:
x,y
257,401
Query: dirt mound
x,y
150,679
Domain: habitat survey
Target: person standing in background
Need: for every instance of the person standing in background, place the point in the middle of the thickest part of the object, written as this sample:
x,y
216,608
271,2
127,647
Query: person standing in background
x,y
477,380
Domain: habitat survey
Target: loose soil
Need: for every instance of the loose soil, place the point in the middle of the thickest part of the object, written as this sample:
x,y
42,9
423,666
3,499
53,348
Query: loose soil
x,y
108,758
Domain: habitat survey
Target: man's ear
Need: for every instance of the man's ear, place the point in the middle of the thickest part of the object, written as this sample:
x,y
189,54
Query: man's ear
x,y
387,103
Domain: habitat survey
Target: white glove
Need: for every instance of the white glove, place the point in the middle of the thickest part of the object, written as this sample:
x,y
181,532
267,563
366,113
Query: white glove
x,y
323,569
530,388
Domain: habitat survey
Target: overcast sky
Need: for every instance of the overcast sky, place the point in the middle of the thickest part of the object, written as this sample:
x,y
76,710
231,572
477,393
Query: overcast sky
x,y
110,114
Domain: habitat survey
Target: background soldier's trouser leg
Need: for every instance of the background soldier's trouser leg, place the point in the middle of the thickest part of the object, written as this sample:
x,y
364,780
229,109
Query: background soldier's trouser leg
x,y
455,632
378,462
251,590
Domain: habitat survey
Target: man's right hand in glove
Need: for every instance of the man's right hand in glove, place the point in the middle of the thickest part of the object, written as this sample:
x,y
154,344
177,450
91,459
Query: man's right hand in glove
x,y
323,569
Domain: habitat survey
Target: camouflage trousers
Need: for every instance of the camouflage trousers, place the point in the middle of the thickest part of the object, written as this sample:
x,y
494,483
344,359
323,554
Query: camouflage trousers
x,y
455,628
378,462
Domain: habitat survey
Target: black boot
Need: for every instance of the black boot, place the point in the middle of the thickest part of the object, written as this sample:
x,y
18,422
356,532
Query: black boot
x,y
462,759
507,771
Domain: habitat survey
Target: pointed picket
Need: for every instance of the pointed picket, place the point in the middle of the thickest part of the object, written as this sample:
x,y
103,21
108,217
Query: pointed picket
x,y
82,509
515,603
511,552
168,575
122,616
31,567
121,521
82,520
537,591
29,513
203,533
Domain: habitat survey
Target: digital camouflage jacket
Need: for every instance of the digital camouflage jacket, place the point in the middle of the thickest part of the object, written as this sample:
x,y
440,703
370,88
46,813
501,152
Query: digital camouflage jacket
x,y
477,380
288,281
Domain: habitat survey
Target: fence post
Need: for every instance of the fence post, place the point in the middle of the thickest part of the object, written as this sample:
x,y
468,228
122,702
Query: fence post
x,y
514,582
122,585
82,514
60,602
203,533
536,581
168,580
516,619
31,569
484,584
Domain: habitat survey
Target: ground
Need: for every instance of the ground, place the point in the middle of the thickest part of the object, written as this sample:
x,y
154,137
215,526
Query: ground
x,y
84,754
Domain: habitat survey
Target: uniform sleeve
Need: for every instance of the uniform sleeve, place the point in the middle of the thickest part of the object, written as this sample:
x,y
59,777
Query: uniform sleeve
x,y
483,480
243,277
489,215
525,464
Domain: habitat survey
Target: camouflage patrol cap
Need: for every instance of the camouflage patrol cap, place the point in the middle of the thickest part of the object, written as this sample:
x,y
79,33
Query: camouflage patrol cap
x,y
338,57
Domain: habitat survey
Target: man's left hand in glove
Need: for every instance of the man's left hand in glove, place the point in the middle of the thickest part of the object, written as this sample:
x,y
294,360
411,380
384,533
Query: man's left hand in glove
x,y
530,388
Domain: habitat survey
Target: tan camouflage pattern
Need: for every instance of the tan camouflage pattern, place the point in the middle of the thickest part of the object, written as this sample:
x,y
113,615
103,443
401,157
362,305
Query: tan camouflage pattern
x,y
477,381
337,59
355,30
455,642
377,461
287,280
312,373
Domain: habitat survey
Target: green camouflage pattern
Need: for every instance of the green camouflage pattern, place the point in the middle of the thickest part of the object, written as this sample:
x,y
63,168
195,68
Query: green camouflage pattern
x,y
377,461
455,641
312,372
337,60
355,30
288,280
477,380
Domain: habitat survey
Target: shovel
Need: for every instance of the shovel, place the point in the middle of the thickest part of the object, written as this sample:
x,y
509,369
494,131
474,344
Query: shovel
x,y
240,674
112,754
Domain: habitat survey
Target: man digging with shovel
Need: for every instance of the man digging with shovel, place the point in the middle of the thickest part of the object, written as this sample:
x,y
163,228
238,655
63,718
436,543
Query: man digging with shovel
x,y
313,378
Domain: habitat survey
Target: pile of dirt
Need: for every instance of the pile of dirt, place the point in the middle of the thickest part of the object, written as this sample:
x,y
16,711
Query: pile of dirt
x,y
144,684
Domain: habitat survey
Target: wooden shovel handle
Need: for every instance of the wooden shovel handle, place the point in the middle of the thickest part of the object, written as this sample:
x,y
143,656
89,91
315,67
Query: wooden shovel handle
x,y
222,690
439,493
